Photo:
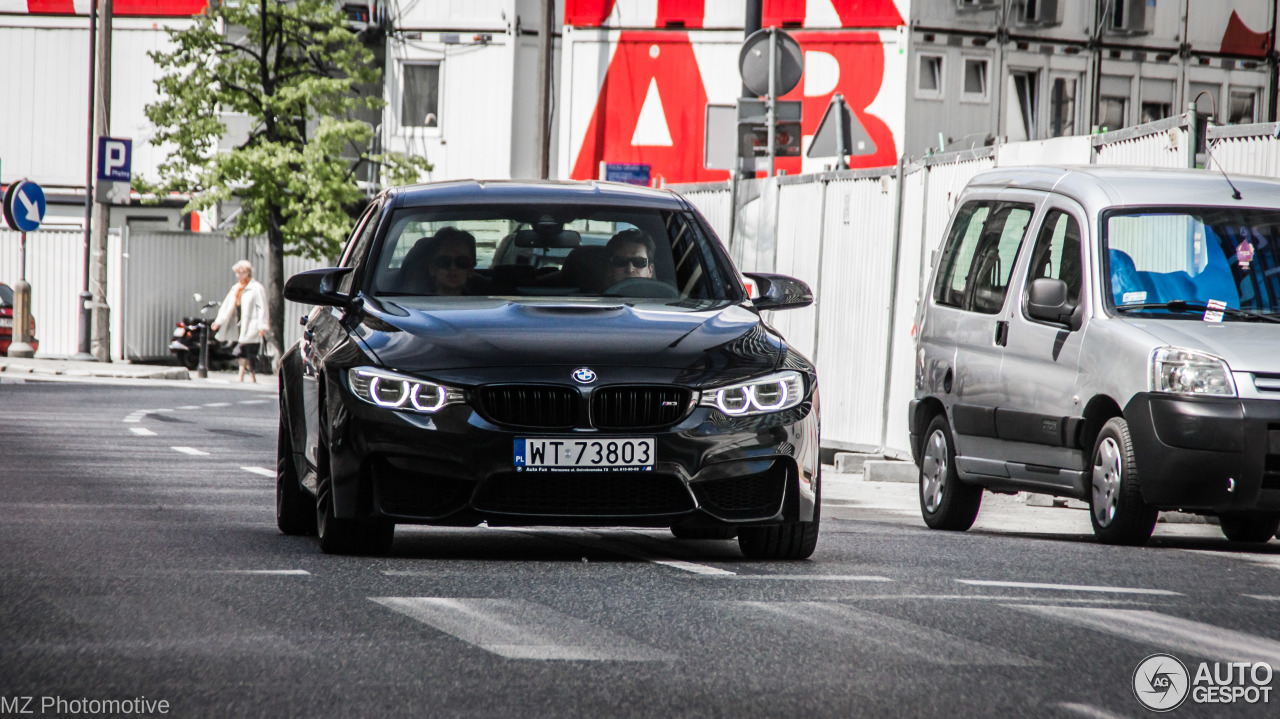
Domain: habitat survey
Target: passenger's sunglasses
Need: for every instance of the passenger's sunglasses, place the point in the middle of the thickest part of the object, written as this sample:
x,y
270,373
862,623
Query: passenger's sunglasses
x,y
461,262
637,262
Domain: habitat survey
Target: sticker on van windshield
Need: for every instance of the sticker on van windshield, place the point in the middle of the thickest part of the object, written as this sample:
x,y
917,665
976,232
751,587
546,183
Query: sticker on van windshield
x,y
1214,313
1131,298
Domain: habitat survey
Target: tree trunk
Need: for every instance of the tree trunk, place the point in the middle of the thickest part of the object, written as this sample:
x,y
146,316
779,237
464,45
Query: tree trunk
x,y
275,284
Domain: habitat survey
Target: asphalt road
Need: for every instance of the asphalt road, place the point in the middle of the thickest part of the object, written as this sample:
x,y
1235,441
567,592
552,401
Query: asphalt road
x,y
139,558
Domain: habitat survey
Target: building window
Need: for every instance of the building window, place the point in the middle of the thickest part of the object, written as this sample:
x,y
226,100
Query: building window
x,y
420,98
1112,112
1152,111
929,77
975,79
1242,107
1062,107
1023,101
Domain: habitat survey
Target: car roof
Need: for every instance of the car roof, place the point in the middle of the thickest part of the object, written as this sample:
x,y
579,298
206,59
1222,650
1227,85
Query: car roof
x,y
1097,187
551,192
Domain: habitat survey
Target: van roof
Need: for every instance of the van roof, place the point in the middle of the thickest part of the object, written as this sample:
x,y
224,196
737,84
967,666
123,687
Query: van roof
x,y
1097,187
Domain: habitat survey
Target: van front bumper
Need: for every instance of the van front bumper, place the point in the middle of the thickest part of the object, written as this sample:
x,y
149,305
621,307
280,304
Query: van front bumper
x,y
1207,454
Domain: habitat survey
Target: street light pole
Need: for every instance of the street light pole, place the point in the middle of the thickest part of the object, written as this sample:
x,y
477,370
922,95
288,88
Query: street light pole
x,y
86,297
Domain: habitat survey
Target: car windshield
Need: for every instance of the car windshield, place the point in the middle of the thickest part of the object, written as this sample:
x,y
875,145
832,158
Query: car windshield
x,y
1195,256
549,251
6,296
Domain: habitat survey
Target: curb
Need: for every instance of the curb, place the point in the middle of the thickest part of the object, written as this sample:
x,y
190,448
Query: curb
x,y
171,373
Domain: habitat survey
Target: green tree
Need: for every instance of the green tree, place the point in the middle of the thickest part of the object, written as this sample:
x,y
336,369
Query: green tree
x,y
295,69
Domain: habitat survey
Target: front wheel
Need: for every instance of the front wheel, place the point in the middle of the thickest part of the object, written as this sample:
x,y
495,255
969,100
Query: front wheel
x,y
787,540
945,501
350,536
1254,528
1116,508
295,509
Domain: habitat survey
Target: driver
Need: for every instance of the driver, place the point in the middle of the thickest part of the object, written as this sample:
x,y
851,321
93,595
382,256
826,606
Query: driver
x,y
630,255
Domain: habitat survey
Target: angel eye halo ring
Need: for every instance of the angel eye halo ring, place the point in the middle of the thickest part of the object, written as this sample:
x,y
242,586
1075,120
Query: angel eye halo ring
x,y
392,390
772,393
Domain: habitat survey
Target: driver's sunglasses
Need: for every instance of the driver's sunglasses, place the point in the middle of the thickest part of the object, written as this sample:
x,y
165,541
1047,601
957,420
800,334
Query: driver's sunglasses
x,y
461,262
637,262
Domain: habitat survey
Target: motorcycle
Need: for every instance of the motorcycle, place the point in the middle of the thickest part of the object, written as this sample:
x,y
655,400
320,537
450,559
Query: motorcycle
x,y
187,332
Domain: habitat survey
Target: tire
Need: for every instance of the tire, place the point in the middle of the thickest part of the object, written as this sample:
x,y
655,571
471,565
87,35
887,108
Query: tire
x,y
1116,508
1255,528
945,502
295,508
350,536
682,532
190,360
786,540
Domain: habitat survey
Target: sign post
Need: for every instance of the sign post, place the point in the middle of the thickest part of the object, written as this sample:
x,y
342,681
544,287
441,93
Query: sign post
x,y
771,64
24,208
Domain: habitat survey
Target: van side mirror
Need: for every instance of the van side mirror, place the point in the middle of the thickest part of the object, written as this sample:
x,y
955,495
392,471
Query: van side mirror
x,y
318,287
780,292
1047,302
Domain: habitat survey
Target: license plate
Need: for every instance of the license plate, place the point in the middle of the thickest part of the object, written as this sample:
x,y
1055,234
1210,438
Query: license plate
x,y
6,321
602,455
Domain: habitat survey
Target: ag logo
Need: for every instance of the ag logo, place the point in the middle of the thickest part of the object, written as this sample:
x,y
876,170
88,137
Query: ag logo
x,y
584,375
1161,682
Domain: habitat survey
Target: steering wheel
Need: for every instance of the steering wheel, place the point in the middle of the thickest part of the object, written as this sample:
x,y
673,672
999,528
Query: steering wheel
x,y
643,287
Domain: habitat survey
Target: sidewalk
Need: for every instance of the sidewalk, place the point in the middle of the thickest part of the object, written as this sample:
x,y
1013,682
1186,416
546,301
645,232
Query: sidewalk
x,y
41,368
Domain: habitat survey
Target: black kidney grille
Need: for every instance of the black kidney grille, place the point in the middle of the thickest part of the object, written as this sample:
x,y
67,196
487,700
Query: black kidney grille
x,y
629,407
760,492
586,494
530,405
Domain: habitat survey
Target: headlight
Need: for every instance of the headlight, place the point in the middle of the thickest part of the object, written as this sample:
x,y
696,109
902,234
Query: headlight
x,y
396,391
774,393
1189,372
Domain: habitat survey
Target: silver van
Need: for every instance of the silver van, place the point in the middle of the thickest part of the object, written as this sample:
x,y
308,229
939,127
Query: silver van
x,y
1107,334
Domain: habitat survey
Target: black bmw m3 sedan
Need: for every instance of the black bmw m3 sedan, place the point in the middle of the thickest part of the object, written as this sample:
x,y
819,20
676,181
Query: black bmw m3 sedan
x,y
545,353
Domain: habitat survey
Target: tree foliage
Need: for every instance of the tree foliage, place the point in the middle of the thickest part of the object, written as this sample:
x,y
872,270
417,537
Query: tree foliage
x,y
294,69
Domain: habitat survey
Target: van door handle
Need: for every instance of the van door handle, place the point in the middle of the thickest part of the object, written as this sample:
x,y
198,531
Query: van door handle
x,y
1002,332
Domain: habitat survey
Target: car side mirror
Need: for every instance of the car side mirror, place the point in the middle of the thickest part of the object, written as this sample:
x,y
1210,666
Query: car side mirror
x,y
1047,302
780,292
318,287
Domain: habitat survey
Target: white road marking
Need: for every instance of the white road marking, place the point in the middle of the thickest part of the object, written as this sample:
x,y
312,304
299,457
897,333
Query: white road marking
x,y
133,419
600,542
817,577
1262,597
1068,587
520,629
1261,560
262,471
191,451
218,404
282,572
1166,631
254,401
997,598
693,567
887,634
1086,710
190,406
142,431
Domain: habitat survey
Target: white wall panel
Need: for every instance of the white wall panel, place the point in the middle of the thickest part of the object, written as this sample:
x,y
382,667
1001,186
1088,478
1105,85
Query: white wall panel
x,y
799,254
55,269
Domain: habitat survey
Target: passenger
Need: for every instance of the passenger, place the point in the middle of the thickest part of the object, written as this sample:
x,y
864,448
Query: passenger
x,y
447,261
630,256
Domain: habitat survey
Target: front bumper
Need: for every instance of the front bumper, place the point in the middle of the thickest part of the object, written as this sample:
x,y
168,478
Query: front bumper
x,y
456,468
1207,454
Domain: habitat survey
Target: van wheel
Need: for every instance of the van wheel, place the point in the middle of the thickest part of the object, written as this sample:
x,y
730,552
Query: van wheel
x,y
1116,508
945,501
1249,527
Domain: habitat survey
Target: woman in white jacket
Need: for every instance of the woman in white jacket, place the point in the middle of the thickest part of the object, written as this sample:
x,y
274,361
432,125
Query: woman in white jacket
x,y
243,316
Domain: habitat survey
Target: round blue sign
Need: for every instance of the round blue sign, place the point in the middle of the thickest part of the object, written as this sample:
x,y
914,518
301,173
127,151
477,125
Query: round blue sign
x,y
24,206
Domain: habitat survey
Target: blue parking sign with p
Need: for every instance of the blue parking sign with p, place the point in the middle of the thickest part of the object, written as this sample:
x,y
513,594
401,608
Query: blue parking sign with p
x,y
115,157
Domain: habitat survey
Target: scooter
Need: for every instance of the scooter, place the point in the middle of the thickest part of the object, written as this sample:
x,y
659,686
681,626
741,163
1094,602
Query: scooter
x,y
187,333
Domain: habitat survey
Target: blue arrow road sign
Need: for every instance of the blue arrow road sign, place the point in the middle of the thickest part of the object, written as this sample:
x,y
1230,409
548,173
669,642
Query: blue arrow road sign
x,y
115,159
24,206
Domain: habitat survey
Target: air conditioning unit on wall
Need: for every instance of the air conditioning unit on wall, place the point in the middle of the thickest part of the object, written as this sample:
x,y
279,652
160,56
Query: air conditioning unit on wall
x,y
1132,17
1039,13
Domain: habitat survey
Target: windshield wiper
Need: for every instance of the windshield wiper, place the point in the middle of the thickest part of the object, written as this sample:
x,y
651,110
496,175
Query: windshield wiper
x,y
1184,306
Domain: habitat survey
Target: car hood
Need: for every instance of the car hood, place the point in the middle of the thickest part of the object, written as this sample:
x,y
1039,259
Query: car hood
x,y
1246,346
705,338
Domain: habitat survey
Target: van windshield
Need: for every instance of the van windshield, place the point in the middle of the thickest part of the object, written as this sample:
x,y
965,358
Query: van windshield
x,y
1197,256
548,251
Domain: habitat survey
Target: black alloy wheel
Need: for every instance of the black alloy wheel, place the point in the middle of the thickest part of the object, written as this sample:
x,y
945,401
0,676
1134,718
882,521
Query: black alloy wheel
x,y
295,508
945,501
344,536
1254,528
1116,508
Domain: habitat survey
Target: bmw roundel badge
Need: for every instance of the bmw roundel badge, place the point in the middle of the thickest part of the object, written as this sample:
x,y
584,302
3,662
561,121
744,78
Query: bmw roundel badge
x,y
585,375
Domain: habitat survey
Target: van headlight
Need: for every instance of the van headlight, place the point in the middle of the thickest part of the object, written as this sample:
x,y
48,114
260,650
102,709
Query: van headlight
x,y
397,391
1189,372
773,393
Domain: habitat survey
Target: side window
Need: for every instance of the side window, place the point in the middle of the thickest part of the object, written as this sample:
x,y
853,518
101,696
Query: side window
x,y
358,246
957,256
995,256
1057,253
